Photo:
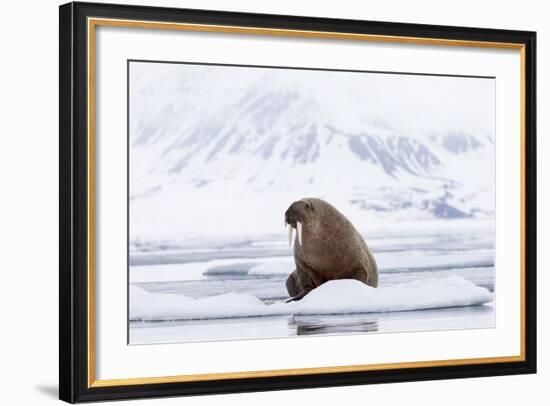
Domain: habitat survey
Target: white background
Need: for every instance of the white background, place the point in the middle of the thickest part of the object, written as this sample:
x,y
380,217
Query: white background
x,y
29,221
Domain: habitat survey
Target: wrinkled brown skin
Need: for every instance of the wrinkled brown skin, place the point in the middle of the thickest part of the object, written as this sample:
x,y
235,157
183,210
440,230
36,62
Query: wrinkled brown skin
x,y
331,249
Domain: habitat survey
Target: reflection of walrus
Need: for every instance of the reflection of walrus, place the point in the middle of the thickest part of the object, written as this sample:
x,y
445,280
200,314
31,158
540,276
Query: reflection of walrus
x,y
327,247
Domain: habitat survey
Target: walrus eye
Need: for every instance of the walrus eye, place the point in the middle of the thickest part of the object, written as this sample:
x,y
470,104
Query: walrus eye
x,y
309,206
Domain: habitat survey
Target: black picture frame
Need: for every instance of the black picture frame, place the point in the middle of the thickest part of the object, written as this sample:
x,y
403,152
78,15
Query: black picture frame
x,y
74,383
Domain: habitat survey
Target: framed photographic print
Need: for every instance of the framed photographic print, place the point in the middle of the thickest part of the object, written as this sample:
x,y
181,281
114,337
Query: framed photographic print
x,y
256,202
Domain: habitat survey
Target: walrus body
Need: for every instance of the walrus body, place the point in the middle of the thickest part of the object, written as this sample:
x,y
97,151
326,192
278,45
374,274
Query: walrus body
x,y
327,247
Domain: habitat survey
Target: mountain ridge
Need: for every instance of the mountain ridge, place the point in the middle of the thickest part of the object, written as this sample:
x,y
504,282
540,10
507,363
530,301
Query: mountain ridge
x,y
275,142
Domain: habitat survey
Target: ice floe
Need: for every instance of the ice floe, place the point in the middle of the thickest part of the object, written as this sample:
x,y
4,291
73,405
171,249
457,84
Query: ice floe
x,y
333,297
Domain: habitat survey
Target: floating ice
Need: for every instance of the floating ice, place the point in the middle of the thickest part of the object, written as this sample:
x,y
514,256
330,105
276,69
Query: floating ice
x,y
333,297
273,268
351,296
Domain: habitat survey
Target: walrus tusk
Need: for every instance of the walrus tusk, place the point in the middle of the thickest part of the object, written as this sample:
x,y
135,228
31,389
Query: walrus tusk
x,y
299,225
290,230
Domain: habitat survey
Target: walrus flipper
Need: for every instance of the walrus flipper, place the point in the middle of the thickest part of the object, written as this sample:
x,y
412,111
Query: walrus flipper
x,y
298,284
291,284
298,296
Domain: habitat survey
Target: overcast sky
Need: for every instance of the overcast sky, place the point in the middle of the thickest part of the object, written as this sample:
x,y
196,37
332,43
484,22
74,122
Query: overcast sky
x,y
412,104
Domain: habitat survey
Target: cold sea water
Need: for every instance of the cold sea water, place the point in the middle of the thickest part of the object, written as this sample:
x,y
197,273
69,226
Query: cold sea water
x,y
235,289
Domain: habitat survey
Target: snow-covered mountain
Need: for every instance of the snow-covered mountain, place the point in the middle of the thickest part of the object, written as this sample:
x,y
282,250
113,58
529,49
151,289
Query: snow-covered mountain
x,y
224,151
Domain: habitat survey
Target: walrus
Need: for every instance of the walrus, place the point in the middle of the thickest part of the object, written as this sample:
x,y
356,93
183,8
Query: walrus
x,y
327,247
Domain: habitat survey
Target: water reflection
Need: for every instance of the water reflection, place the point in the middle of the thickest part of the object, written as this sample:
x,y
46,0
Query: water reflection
x,y
333,324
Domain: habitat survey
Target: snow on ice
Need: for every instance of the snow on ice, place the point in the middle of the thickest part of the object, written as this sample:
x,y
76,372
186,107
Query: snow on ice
x,y
333,297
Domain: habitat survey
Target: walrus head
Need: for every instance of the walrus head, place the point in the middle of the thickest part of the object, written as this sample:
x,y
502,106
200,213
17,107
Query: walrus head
x,y
296,216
